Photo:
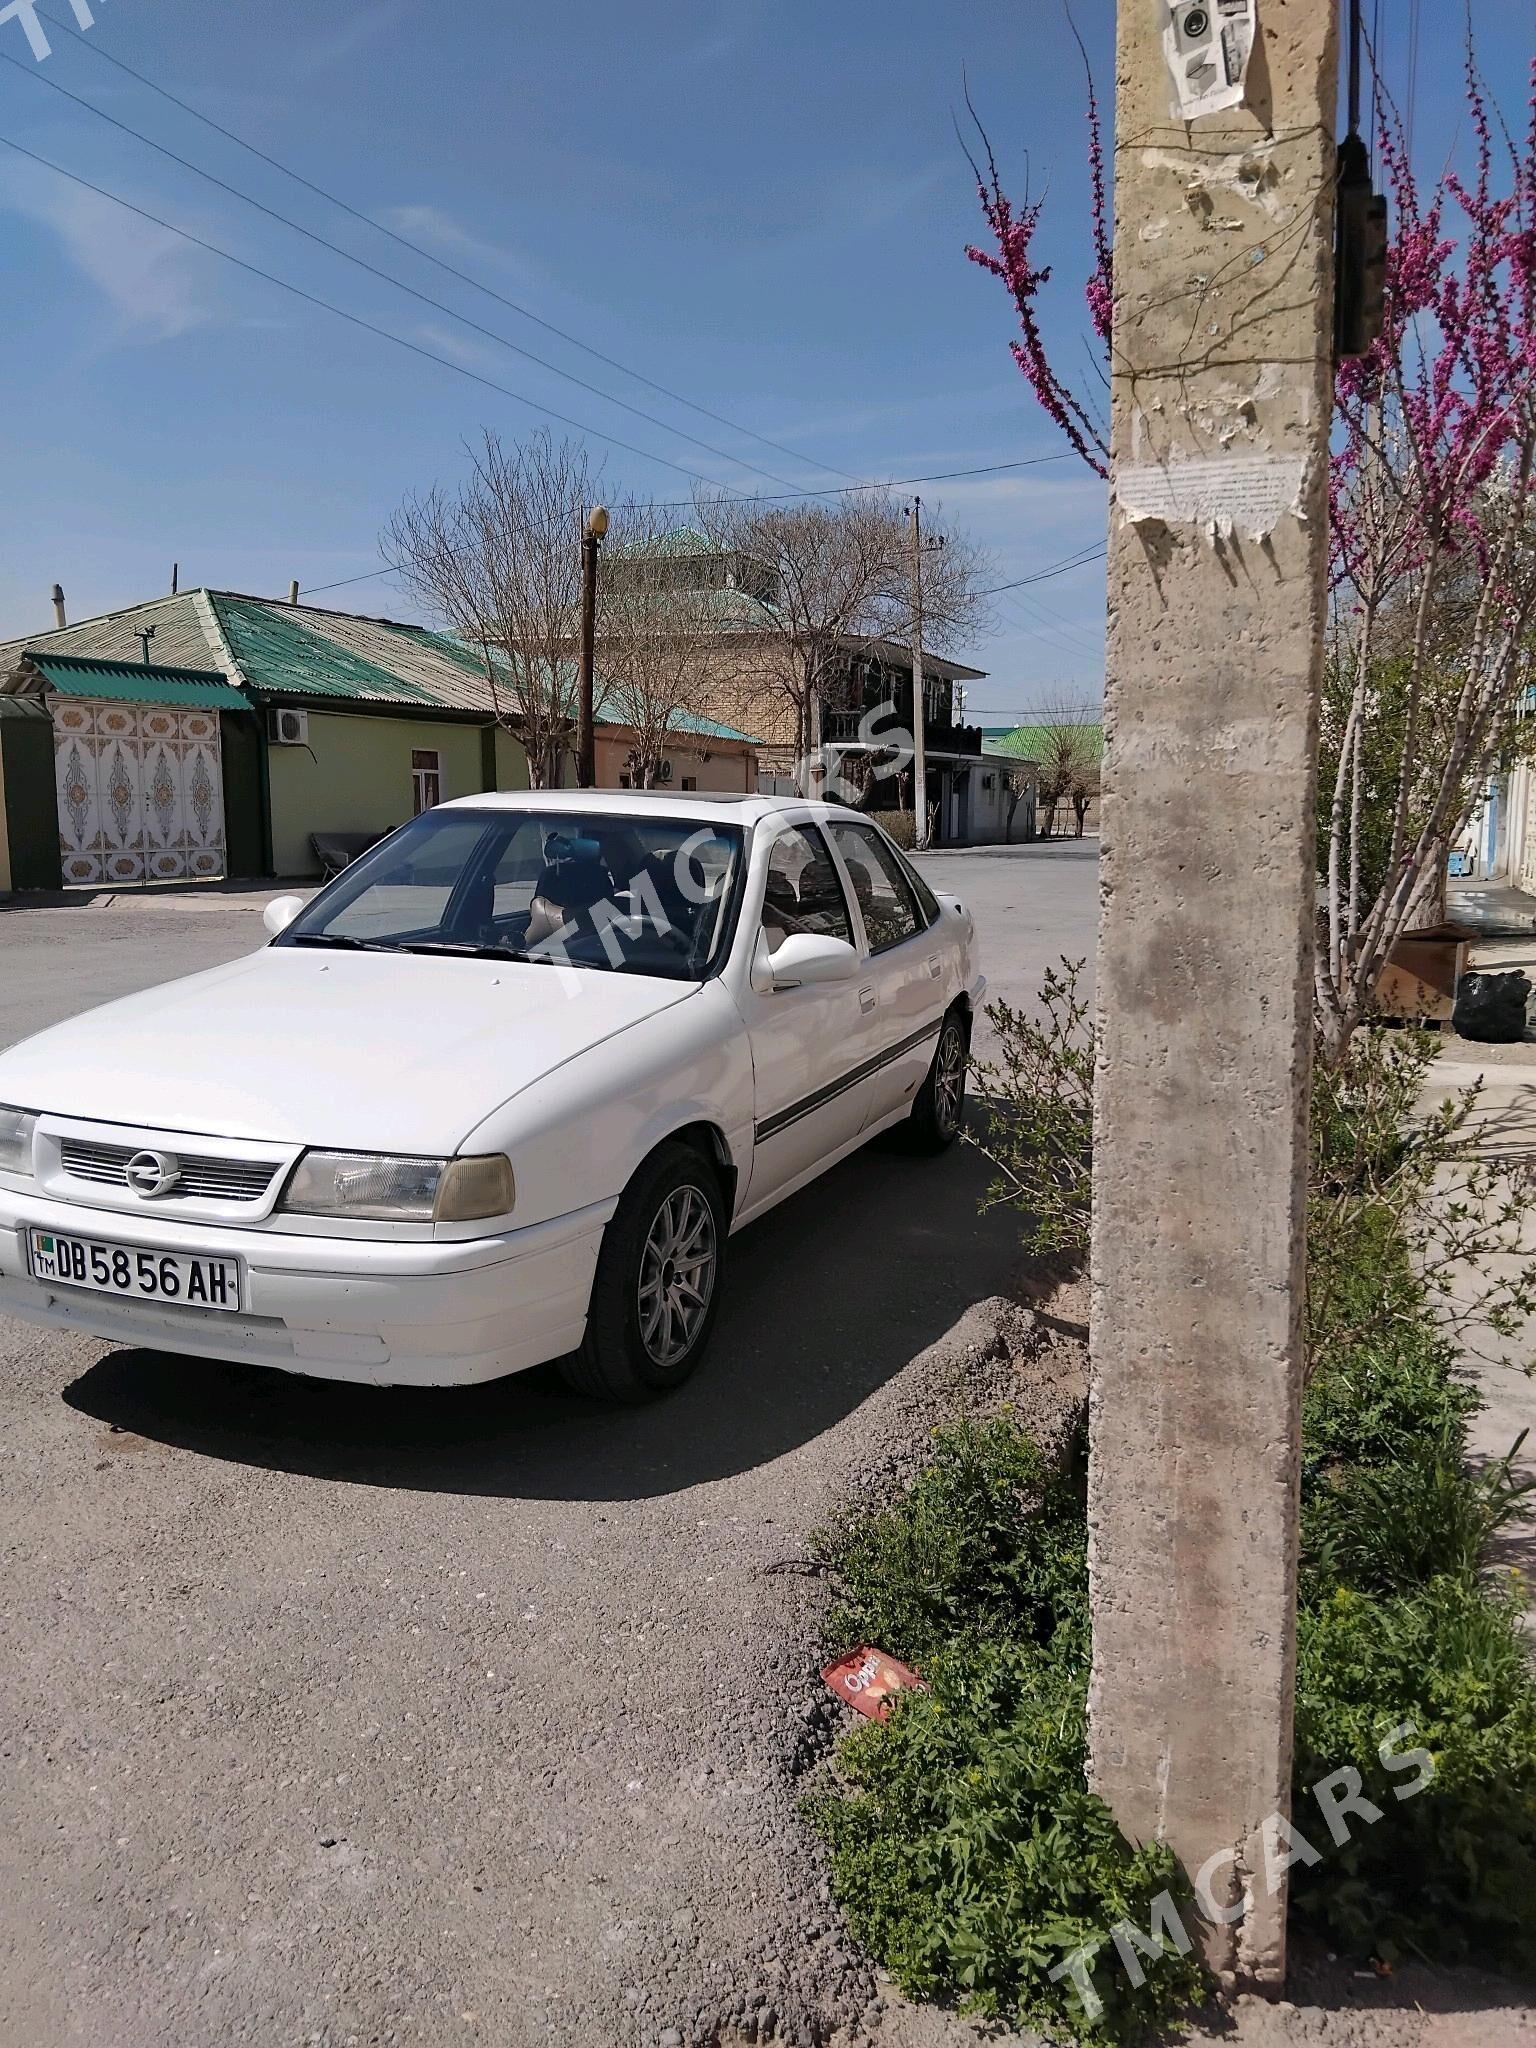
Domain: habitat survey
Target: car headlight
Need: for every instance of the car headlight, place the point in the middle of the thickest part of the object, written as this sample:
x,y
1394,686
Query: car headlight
x,y
16,1128
373,1187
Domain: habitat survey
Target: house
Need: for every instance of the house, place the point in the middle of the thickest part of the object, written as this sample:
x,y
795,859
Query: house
x,y
1005,798
210,733
1068,758
872,692
702,753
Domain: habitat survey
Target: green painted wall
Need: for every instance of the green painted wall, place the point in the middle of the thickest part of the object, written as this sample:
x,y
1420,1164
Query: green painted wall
x,y
355,776
511,761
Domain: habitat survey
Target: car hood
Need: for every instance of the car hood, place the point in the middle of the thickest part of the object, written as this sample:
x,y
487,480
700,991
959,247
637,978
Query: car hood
x,y
355,1051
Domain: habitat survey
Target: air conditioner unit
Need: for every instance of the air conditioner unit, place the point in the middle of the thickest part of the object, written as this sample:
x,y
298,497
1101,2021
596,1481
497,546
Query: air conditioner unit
x,y
288,728
664,772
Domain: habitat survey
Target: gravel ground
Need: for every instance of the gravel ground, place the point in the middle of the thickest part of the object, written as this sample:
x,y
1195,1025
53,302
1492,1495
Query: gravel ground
x,y
334,1717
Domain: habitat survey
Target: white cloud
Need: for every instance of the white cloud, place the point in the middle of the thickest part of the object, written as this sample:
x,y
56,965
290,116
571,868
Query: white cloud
x,y
158,285
438,230
480,356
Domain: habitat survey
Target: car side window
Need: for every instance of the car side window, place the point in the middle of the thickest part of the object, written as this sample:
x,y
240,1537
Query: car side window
x,y
886,897
927,902
802,892
407,888
517,870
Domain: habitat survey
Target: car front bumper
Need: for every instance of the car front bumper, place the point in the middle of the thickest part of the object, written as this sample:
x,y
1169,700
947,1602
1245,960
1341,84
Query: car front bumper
x,y
380,1311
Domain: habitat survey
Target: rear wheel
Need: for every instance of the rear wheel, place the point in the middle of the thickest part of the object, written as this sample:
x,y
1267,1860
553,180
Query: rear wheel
x,y
657,1285
938,1110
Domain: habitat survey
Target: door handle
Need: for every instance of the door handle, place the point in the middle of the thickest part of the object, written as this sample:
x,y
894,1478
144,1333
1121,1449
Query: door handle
x,y
866,1000
935,966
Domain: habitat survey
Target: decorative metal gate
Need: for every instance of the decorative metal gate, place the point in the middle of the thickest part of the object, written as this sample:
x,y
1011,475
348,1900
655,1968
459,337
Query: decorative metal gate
x,y
141,791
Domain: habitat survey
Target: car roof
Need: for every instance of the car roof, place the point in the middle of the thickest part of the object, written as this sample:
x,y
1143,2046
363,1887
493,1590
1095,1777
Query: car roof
x,y
745,808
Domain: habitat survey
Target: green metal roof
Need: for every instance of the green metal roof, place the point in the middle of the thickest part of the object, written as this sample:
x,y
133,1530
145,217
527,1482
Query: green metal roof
x,y
1030,741
711,729
679,543
284,657
607,703
192,688
608,709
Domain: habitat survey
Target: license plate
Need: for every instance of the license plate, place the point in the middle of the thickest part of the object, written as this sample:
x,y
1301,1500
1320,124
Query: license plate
x,y
137,1275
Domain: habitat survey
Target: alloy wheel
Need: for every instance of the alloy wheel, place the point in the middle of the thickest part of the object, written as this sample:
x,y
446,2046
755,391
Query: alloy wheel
x,y
677,1275
949,1080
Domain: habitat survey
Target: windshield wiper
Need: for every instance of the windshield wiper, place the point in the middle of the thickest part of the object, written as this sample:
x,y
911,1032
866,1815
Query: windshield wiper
x,y
341,939
468,950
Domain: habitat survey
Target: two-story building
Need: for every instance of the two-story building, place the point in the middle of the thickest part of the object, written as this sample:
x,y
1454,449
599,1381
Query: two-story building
x,y
869,695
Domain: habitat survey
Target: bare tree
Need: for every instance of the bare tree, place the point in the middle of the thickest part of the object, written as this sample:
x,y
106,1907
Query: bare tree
x,y
498,561
838,580
659,644
1016,782
1067,750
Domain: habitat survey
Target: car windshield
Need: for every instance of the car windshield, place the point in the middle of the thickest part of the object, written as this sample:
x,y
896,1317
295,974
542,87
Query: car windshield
x,y
623,895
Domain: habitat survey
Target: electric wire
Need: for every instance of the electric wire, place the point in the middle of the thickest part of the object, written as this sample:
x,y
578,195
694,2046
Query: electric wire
x,y
388,277
1356,34
431,355
346,582
1065,636
892,483
1376,75
1078,561
445,362
1046,575
415,348
95,45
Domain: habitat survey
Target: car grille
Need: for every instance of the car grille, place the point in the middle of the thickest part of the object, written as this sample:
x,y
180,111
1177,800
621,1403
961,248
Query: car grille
x,y
211,1180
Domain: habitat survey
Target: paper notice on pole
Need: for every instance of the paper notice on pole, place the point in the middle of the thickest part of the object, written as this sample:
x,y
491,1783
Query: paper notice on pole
x,y
1223,495
1208,44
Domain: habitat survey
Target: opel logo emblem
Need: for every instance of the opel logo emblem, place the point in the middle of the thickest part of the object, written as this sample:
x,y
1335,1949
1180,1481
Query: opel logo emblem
x,y
152,1173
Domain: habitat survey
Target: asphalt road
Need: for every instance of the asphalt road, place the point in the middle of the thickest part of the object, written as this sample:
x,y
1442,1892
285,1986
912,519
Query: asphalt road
x,y
331,1716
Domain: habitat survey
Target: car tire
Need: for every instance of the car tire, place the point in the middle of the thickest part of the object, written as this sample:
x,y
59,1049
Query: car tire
x,y
938,1109
645,1331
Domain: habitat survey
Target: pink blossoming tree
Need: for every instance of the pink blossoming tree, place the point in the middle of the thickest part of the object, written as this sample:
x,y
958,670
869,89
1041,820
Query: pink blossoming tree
x,y
1433,547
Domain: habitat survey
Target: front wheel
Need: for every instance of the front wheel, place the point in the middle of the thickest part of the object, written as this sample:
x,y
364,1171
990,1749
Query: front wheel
x,y
938,1110
657,1285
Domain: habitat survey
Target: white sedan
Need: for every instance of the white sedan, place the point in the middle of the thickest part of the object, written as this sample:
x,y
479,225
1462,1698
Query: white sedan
x,y
499,1094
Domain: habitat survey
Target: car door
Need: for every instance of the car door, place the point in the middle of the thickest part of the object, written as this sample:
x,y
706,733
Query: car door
x,y
904,967
810,1045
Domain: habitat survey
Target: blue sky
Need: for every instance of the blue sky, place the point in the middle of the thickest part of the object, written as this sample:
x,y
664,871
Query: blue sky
x,y
764,207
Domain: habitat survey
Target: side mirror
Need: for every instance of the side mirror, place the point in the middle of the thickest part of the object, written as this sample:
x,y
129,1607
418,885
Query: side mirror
x,y
281,912
807,959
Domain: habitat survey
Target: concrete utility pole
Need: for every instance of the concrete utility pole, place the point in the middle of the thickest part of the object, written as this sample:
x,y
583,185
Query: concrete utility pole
x,y
919,695
1222,397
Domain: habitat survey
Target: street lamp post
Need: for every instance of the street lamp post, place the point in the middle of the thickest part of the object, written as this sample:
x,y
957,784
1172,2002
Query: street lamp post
x,y
586,739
